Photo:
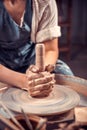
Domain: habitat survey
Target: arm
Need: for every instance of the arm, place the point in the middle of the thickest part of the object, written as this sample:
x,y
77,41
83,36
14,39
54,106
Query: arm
x,y
51,51
46,26
48,31
37,84
11,77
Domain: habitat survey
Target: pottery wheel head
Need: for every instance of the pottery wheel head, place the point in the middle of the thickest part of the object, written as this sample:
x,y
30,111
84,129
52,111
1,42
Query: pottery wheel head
x,y
60,100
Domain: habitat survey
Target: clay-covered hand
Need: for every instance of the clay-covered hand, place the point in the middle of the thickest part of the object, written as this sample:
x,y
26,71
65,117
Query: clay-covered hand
x,y
50,68
40,83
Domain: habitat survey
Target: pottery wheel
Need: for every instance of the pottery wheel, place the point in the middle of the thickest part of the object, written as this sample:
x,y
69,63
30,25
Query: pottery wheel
x,y
60,100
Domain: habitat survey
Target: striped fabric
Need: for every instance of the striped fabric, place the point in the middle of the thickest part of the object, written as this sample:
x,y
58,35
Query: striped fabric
x,y
44,21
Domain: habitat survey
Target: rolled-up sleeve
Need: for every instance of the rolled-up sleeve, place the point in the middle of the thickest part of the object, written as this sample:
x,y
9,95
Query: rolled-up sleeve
x,y
48,28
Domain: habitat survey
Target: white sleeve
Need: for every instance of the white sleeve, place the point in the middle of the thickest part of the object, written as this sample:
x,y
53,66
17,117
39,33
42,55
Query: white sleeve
x,y
48,24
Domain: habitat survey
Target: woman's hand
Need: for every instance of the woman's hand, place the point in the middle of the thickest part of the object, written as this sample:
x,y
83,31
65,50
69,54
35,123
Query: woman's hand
x,y
50,68
40,84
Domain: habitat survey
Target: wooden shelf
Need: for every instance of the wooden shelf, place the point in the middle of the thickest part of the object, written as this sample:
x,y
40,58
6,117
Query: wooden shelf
x,y
65,48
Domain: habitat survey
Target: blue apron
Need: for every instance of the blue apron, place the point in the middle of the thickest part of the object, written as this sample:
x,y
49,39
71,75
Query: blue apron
x,y
17,52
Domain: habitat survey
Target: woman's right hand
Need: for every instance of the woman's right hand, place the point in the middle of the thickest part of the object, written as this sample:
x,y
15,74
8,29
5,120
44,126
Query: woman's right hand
x,y
39,84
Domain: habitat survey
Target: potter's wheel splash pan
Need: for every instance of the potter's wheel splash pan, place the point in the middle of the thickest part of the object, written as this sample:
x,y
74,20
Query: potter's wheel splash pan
x,y
59,101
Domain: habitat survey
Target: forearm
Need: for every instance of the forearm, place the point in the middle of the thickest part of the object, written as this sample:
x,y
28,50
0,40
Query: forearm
x,y
52,52
11,77
51,58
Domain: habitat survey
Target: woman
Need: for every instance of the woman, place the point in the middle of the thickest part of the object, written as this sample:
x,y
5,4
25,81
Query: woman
x,y
23,23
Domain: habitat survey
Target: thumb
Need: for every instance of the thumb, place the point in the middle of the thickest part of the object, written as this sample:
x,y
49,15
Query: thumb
x,y
50,68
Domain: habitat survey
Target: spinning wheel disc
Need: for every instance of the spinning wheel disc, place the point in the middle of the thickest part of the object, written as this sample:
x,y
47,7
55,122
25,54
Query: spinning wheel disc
x,y
60,100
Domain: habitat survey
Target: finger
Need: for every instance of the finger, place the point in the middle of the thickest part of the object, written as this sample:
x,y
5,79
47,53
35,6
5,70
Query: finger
x,y
33,68
33,76
50,68
29,69
40,93
42,87
30,75
41,80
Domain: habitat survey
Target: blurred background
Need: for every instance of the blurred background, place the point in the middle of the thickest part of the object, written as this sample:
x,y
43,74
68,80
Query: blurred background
x,y
72,17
